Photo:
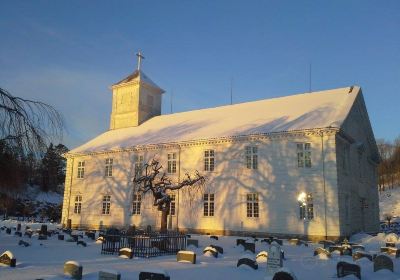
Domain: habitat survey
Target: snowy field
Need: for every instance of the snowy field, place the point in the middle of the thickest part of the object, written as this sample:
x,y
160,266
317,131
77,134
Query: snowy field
x,y
389,202
44,259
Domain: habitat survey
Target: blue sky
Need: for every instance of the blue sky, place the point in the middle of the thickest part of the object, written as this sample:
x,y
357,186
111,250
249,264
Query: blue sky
x,y
68,53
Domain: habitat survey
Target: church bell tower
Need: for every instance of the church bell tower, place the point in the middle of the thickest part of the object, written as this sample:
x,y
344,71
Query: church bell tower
x,y
135,99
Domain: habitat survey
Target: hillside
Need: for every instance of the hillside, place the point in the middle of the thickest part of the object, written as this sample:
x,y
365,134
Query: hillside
x,y
389,202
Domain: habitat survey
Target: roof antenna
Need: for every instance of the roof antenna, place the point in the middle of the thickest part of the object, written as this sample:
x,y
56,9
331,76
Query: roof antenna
x,y
310,78
231,91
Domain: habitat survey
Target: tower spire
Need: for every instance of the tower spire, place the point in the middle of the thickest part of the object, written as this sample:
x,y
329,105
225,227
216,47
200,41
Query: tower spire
x,y
140,57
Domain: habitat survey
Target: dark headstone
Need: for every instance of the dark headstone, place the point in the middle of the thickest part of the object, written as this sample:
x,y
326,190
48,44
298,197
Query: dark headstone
x,y
67,231
43,229
7,258
8,230
73,269
343,269
74,237
346,251
61,237
218,248
320,250
383,262
109,275
126,252
283,275
18,233
249,262
390,244
359,255
391,251
189,256
82,243
144,275
23,243
28,233
249,247
193,242
19,227
240,241
214,237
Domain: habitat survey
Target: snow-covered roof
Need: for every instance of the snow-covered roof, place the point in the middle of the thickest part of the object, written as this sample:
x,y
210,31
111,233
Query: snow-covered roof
x,y
138,76
322,109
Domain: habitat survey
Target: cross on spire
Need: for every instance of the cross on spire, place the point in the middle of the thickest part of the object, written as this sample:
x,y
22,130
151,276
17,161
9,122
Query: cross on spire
x,y
140,57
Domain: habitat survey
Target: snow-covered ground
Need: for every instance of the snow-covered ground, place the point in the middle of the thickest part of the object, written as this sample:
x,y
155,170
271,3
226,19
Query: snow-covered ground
x,y
389,203
45,259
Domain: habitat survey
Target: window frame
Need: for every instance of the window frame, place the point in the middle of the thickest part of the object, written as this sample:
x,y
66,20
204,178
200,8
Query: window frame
x,y
78,204
172,205
306,207
251,153
209,160
252,205
304,155
106,205
208,205
172,163
81,170
138,164
137,204
108,171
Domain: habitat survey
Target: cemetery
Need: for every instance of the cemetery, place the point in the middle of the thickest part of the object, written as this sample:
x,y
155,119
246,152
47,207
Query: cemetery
x,y
175,256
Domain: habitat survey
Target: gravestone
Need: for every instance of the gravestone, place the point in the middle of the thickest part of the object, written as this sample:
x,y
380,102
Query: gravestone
x,y
346,251
320,250
61,237
336,248
8,230
125,253
82,243
274,258
28,233
284,274
358,248
247,260
360,254
278,241
240,241
74,237
7,258
154,275
249,247
107,274
19,227
193,242
343,269
218,248
73,269
18,233
91,235
213,237
383,262
390,244
187,256
43,229
23,243
211,250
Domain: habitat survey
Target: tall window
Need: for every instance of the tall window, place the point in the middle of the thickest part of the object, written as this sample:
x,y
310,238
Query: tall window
x,y
252,205
81,169
172,163
208,200
209,160
251,157
109,167
137,201
78,204
172,206
138,164
106,205
306,206
304,155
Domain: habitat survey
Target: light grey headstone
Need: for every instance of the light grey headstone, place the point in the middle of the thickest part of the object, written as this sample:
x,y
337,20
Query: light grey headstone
x,y
274,262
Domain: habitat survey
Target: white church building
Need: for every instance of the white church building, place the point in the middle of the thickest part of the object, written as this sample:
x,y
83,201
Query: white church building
x,y
300,165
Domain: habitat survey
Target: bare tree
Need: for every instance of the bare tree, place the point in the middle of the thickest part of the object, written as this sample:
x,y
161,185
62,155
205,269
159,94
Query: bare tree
x,y
159,184
28,125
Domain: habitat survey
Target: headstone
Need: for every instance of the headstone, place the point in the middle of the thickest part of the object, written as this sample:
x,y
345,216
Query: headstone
x,y
187,256
73,269
360,254
74,237
8,230
249,247
284,274
213,237
274,258
320,250
28,233
61,237
43,229
125,253
193,242
336,248
240,241
18,233
247,260
7,258
91,235
218,248
346,251
343,269
82,243
19,227
23,243
211,251
154,275
358,248
106,274
390,244
383,262
278,241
